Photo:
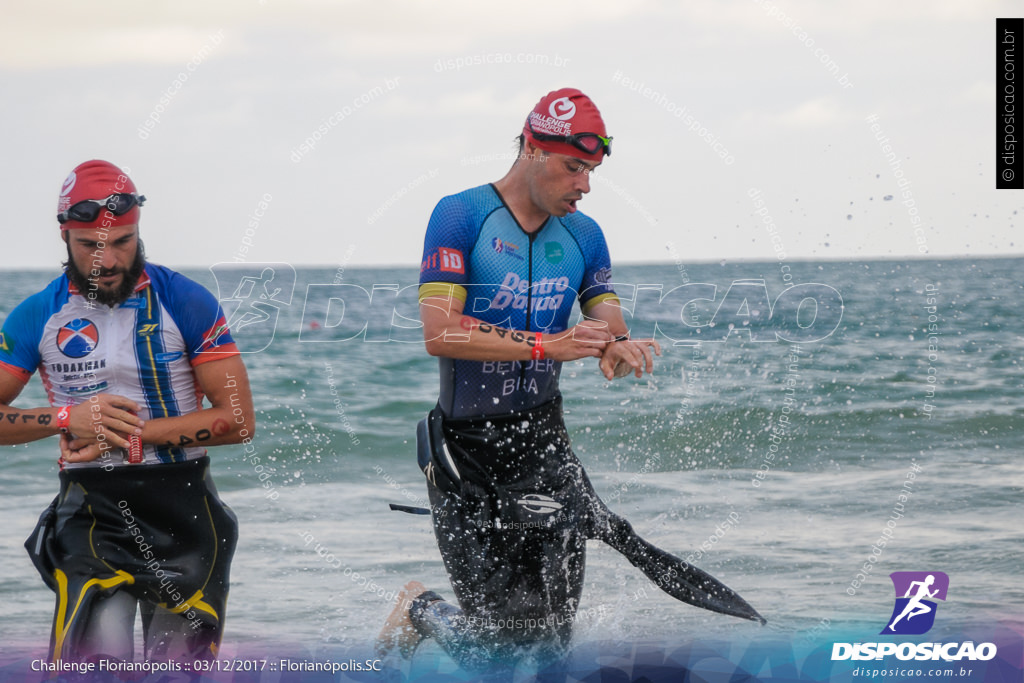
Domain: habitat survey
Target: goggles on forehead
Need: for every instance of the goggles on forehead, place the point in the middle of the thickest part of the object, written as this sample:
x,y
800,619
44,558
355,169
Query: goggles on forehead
x,y
591,143
88,210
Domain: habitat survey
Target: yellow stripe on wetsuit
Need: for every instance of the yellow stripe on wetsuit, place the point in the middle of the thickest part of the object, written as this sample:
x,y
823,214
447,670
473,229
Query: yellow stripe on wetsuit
x,y
449,289
61,626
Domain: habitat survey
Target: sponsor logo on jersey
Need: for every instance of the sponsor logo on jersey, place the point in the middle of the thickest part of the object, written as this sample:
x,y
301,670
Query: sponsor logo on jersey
x,y
553,252
78,338
168,356
148,329
452,261
85,366
546,294
603,276
446,260
3,343
87,389
507,248
134,302
211,339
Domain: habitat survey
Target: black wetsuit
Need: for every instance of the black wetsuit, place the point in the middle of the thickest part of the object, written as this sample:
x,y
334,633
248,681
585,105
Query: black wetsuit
x,y
153,534
506,524
512,532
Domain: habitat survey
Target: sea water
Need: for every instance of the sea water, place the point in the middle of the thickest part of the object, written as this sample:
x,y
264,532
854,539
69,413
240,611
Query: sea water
x,y
775,466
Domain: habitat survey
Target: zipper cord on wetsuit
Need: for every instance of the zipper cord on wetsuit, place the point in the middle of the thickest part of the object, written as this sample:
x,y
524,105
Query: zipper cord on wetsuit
x,y
529,274
529,299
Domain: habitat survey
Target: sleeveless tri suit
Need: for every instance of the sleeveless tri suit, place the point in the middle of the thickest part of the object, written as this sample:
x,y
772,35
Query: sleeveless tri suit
x,y
504,485
155,531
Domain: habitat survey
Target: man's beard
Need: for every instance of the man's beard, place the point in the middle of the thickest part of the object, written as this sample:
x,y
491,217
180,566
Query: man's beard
x,y
89,287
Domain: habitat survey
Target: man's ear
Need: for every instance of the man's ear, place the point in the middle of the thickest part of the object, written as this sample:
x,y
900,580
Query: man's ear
x,y
532,149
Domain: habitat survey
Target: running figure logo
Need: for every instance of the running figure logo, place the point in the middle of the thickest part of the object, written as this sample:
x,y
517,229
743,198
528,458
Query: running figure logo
x,y
916,592
258,291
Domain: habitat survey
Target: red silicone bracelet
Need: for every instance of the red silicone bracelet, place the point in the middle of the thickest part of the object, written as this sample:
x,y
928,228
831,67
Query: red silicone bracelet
x,y
63,419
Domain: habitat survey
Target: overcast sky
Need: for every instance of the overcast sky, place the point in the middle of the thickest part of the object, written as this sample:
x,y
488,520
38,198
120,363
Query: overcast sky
x,y
782,88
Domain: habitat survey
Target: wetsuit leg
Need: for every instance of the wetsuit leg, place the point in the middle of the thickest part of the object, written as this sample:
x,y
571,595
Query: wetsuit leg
x,y
104,627
434,617
169,636
518,588
109,533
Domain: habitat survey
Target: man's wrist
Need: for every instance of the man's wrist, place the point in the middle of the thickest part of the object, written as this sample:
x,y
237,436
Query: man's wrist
x,y
62,419
538,348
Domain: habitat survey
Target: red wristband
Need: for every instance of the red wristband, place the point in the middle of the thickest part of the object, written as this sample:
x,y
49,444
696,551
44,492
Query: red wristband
x,y
538,348
64,419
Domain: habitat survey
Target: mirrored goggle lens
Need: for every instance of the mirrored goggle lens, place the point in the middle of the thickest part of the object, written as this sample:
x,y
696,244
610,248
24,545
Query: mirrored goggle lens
x,y
88,210
592,143
589,143
120,204
85,212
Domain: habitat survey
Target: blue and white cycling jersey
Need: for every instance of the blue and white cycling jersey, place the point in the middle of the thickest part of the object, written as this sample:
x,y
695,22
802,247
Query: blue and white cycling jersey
x,y
476,251
143,349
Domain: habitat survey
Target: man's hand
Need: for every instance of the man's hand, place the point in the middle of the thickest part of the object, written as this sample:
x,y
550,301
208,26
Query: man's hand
x,y
631,355
81,450
588,339
107,414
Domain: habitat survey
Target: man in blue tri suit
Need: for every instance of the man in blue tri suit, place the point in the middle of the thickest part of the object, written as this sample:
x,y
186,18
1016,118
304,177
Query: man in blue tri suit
x,y
126,351
502,266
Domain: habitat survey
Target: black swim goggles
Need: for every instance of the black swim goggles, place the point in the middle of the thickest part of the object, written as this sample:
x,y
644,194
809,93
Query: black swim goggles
x,y
88,210
591,143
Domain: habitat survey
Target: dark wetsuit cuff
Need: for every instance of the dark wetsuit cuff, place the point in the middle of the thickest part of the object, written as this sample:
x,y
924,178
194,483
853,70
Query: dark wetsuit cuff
x,y
419,604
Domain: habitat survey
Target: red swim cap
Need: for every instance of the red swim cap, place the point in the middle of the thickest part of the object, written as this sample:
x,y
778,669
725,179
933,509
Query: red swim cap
x,y
565,112
96,180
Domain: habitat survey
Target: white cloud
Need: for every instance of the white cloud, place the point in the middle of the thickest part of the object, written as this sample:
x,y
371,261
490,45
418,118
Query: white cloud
x,y
820,112
284,67
97,45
